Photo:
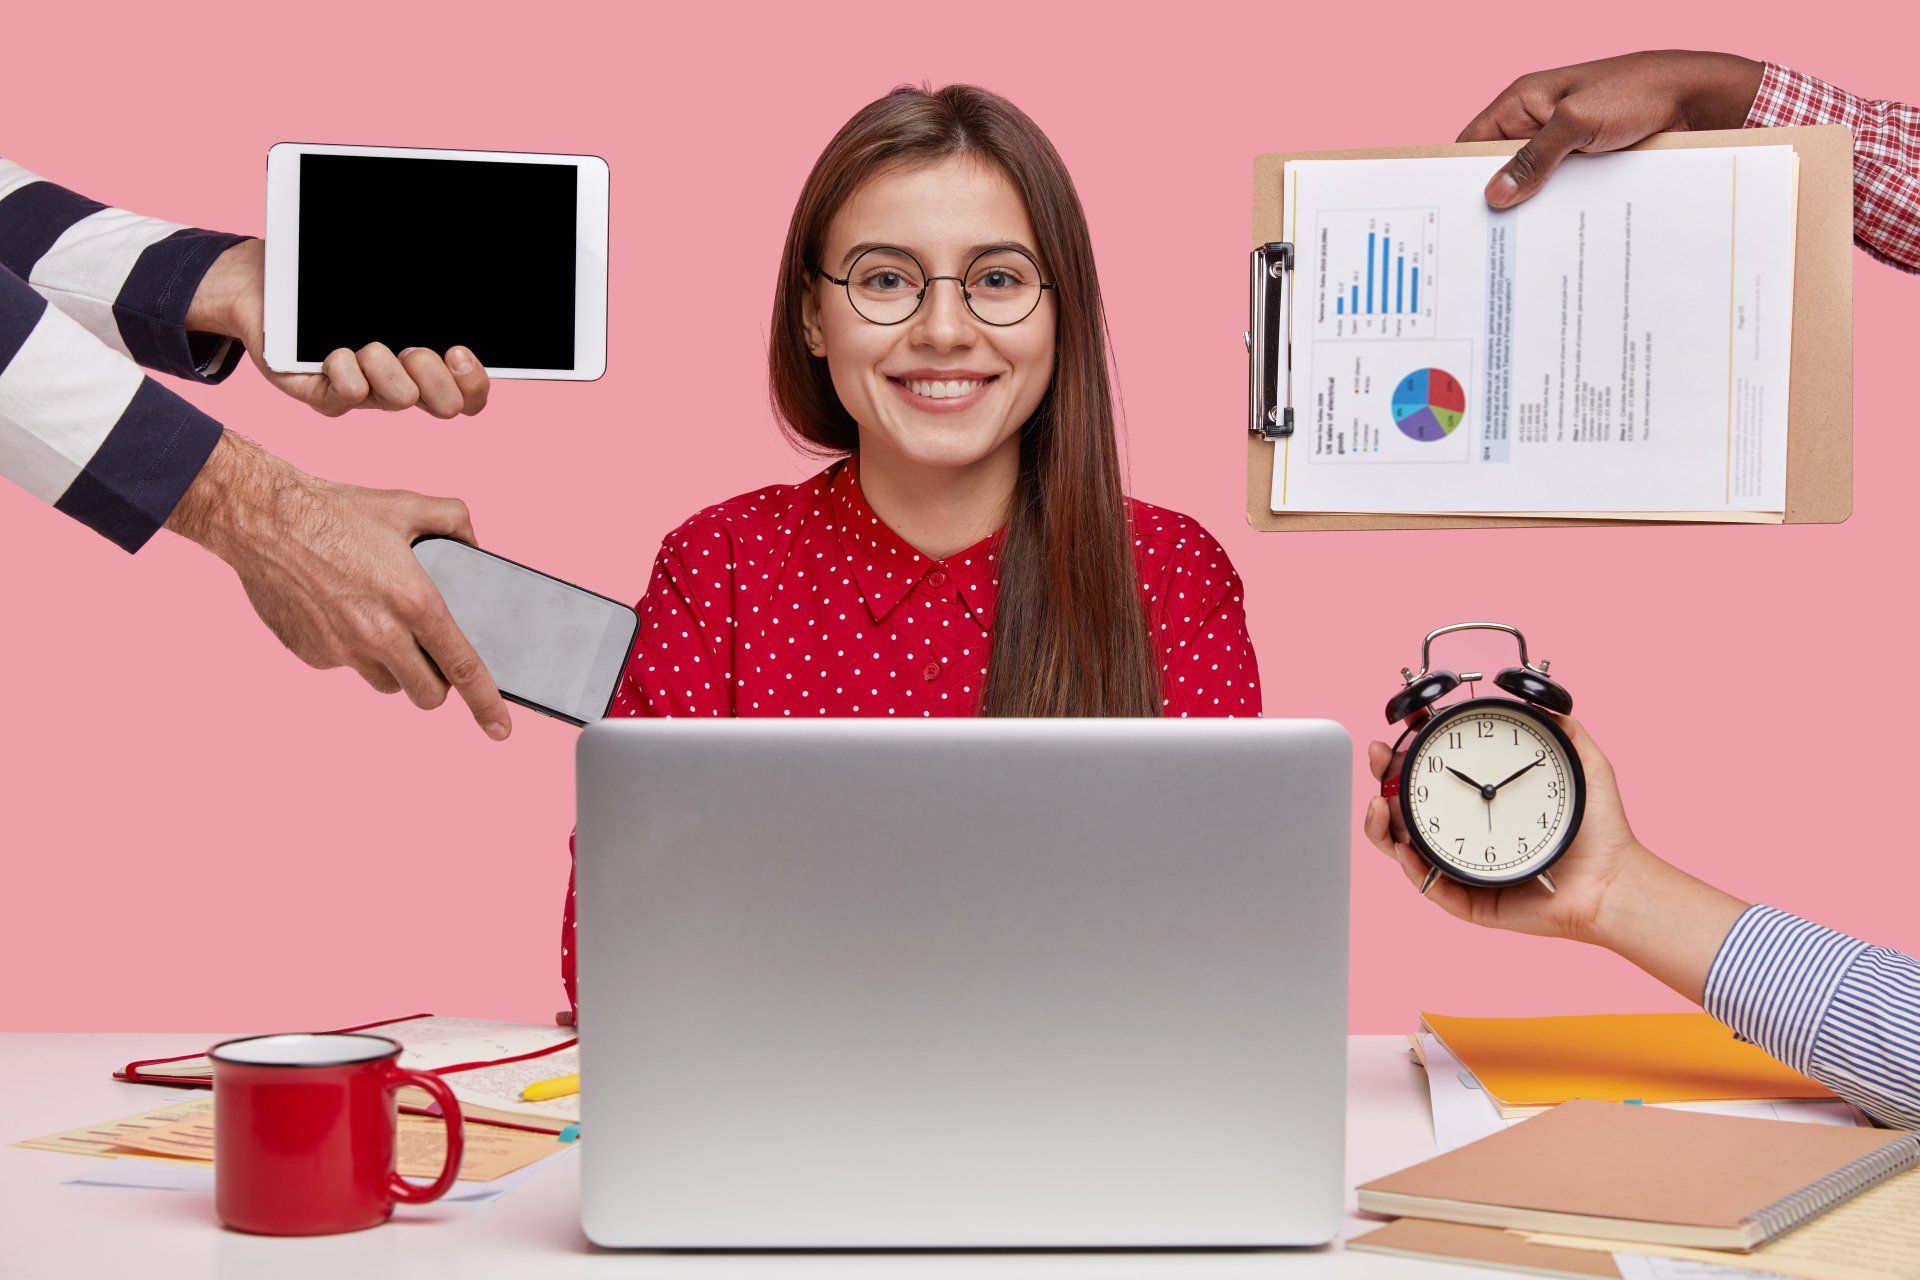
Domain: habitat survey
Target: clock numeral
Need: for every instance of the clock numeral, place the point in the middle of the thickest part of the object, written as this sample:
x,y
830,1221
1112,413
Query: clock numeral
x,y
1541,754
1435,764
1553,791
1543,820
1460,848
1454,742
1420,792
1490,853
1483,729
1523,846
1433,824
1516,736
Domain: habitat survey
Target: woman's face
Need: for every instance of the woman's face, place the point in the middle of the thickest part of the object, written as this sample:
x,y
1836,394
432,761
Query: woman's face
x,y
942,389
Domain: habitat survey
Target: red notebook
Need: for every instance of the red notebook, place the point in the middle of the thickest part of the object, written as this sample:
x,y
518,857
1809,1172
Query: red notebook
x,y
476,1045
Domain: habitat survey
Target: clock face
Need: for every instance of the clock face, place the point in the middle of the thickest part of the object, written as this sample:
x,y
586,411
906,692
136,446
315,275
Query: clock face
x,y
1492,791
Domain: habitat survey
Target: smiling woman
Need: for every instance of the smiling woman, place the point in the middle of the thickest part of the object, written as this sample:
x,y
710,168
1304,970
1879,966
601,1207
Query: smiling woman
x,y
938,331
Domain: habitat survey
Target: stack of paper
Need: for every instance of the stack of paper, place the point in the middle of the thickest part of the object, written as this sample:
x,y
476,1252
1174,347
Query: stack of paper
x,y
1463,1110
1618,346
173,1146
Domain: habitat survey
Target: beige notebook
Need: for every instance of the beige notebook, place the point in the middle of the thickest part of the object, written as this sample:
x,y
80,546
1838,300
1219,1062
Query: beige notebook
x,y
1483,1246
1650,1174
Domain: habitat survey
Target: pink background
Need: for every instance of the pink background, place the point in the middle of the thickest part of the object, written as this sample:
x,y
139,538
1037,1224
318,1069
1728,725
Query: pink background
x,y
197,831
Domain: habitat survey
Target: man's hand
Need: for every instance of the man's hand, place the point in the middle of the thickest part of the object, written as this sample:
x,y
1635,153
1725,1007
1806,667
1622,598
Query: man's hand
x,y
1606,105
330,569
231,302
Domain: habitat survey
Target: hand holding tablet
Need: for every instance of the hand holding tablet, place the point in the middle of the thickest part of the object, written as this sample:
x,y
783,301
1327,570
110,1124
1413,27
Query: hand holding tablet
x,y
231,302
501,253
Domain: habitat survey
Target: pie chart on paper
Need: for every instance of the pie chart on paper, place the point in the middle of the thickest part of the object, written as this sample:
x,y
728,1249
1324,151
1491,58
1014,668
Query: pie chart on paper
x,y
1428,404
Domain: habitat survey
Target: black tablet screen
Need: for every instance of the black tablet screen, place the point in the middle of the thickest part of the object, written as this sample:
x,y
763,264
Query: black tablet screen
x,y
430,253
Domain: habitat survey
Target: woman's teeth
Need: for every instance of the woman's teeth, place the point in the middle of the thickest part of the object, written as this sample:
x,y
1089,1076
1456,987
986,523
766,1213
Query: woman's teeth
x,y
945,390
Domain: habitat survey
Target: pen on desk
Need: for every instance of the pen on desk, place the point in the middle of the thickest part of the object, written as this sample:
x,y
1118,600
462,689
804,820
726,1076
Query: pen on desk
x,y
543,1090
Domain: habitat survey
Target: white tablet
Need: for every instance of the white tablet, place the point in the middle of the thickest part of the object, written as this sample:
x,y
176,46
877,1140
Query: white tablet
x,y
504,253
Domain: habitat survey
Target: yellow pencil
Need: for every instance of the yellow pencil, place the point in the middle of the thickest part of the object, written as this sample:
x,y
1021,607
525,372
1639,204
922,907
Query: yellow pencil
x,y
543,1090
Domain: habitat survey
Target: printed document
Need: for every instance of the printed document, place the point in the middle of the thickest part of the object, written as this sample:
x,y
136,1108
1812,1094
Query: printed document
x,y
1618,345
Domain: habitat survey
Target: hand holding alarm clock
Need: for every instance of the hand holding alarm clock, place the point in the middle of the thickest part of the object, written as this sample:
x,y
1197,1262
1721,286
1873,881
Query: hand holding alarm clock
x,y
1491,792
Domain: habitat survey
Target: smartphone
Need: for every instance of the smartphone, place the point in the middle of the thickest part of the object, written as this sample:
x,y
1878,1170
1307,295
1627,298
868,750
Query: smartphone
x,y
551,646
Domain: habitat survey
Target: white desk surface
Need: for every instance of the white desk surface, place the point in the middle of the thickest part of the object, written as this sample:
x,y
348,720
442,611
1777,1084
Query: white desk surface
x,y
55,1081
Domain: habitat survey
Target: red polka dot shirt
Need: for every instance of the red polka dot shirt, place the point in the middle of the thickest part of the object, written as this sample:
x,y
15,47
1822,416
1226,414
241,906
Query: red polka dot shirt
x,y
797,600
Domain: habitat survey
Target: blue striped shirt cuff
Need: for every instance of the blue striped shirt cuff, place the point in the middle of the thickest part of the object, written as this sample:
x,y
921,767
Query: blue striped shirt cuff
x,y
1830,1006
131,280
141,470
151,308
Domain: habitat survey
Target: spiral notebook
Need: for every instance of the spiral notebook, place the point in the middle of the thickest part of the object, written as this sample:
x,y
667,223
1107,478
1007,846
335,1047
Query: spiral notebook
x,y
1647,1174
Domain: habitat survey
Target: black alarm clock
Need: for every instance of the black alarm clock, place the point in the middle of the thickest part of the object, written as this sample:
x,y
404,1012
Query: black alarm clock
x,y
1490,789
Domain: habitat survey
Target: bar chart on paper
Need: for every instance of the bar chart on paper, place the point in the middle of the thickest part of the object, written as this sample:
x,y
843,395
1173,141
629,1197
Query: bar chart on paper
x,y
1378,273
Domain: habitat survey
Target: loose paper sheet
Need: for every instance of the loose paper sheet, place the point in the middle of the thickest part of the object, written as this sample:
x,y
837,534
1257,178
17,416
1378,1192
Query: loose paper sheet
x,y
184,1131
109,1138
1874,1236
1463,1113
421,1146
1634,1266
1618,345
197,1175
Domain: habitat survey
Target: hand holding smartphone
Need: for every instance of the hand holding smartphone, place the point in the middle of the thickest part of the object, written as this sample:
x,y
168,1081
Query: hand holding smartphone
x,y
551,646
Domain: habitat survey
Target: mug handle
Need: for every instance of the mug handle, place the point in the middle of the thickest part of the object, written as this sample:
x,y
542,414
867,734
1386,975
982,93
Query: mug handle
x,y
398,1187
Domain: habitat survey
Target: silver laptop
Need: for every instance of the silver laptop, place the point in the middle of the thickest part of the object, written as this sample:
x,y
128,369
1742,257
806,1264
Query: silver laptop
x,y
963,983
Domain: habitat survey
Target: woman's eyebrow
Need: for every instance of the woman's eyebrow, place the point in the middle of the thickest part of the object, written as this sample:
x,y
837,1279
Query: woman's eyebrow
x,y
998,245
846,260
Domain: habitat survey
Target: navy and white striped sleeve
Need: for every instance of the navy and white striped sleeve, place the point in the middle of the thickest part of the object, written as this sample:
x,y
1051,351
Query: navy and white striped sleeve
x,y
126,279
1840,1010
82,428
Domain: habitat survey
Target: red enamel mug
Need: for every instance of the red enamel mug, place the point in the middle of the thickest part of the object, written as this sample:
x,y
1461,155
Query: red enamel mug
x,y
303,1133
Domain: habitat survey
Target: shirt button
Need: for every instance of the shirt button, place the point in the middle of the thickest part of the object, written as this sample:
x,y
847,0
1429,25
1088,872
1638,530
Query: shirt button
x,y
936,579
932,671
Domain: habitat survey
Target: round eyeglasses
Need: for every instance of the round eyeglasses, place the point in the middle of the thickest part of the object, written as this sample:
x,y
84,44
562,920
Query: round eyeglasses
x,y
886,285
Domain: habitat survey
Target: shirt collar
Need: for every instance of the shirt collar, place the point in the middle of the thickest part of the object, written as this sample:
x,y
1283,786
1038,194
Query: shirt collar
x,y
888,568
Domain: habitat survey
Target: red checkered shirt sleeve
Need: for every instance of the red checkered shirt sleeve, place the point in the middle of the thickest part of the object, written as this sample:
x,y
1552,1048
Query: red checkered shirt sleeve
x,y
1886,156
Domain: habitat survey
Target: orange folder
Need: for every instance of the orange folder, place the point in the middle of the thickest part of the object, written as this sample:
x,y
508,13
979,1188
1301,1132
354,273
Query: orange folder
x,y
1529,1064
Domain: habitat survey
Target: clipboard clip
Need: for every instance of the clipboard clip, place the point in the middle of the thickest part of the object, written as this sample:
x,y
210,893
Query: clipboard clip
x,y
1269,341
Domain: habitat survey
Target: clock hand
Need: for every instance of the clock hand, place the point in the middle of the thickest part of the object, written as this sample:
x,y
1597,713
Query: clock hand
x,y
1516,773
1486,792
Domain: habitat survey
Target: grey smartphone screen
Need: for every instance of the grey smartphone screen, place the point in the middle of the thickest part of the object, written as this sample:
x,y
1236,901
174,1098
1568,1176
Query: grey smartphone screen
x,y
546,642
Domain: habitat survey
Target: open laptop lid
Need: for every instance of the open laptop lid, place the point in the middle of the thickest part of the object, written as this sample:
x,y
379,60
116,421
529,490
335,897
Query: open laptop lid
x,y
967,983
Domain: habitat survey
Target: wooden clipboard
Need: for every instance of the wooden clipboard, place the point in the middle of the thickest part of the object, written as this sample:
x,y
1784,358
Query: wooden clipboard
x,y
1820,392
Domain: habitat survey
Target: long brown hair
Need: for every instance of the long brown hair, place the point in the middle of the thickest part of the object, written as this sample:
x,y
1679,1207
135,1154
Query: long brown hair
x,y
1070,636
